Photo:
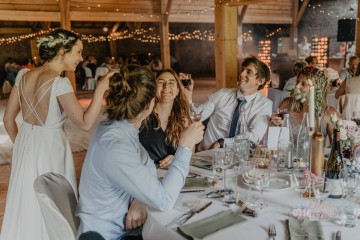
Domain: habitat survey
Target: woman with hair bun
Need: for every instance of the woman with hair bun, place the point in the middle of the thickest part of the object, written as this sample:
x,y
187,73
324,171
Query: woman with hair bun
x,y
45,100
117,168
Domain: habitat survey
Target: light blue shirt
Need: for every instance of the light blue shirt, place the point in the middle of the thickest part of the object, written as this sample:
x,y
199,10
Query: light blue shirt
x,y
117,169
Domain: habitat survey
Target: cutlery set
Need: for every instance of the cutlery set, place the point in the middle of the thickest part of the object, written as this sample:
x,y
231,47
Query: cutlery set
x,y
182,219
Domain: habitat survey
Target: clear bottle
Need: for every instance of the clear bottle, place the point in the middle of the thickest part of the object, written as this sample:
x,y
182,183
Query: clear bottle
x,y
241,140
302,148
285,147
334,171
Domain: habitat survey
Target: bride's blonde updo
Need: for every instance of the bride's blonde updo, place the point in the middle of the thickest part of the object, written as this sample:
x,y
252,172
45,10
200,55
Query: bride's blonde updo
x,y
130,91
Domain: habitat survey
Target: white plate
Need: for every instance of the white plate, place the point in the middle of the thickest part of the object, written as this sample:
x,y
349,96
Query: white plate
x,y
277,182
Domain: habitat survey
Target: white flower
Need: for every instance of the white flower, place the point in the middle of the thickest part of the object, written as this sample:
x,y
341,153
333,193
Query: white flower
x,y
343,134
334,118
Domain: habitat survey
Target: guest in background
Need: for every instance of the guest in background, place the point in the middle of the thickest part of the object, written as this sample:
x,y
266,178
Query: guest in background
x,y
117,169
296,68
351,70
27,63
304,48
220,107
11,71
312,61
161,132
297,104
350,85
155,64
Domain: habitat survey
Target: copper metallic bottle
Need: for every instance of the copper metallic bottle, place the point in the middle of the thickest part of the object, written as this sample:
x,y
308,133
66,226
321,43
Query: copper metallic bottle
x,y
317,150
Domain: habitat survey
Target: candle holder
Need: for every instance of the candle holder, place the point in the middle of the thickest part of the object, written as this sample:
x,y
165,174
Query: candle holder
x,y
317,151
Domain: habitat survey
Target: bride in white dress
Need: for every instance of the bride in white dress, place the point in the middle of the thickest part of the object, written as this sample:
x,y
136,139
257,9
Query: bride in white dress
x,y
45,100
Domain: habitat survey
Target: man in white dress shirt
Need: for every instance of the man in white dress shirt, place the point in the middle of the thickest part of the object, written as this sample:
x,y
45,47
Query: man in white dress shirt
x,y
220,106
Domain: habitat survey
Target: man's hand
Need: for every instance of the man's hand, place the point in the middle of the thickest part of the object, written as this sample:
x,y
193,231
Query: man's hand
x,y
215,145
166,161
136,215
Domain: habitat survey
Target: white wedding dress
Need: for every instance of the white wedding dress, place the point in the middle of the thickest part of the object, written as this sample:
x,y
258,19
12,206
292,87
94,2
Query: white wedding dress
x,y
38,149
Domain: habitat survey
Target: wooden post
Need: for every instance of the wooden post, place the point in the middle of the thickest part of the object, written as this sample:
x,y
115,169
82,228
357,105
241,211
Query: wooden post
x,y
240,32
294,25
164,33
226,45
66,24
357,39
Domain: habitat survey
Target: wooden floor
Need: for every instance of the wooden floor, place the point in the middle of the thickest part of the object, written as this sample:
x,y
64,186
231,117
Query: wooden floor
x,y
203,87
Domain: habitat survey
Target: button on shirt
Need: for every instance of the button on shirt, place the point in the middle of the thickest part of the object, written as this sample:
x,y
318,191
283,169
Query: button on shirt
x,y
117,169
220,108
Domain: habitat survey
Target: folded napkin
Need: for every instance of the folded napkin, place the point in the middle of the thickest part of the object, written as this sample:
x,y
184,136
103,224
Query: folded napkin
x,y
304,230
196,183
200,163
213,224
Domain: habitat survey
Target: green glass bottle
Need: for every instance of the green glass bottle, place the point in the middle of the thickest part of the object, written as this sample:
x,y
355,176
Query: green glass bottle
x,y
334,171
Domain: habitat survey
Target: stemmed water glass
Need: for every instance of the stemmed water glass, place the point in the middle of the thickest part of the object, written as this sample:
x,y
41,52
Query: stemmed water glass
x,y
262,182
259,178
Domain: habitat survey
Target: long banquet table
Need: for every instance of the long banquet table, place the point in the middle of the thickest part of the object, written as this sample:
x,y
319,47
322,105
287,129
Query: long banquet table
x,y
280,203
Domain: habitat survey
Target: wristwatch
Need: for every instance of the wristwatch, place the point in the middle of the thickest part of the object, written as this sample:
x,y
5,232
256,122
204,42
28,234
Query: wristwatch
x,y
221,142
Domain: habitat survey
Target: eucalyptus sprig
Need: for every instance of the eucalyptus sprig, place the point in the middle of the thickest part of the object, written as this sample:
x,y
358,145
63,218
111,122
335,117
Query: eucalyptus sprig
x,y
321,85
299,95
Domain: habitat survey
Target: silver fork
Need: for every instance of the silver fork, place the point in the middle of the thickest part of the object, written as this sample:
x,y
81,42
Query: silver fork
x,y
272,231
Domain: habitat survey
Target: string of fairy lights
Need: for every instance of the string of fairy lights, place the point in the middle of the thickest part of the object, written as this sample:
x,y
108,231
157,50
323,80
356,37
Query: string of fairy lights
x,y
148,35
318,8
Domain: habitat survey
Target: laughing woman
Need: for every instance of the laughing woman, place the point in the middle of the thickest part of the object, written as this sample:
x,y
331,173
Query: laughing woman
x,y
161,132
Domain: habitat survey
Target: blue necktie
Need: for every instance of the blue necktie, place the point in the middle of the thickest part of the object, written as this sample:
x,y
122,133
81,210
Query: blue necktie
x,y
236,116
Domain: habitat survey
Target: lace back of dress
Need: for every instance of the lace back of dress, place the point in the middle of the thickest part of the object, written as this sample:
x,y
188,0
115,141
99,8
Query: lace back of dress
x,y
35,100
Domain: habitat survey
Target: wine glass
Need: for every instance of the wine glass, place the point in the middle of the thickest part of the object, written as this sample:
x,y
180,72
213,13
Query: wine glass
x,y
262,181
194,115
322,187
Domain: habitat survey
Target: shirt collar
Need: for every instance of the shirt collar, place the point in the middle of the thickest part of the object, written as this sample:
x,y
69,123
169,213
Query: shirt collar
x,y
247,98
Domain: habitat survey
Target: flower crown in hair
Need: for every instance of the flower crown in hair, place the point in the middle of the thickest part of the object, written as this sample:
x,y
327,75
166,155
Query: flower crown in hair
x,y
50,41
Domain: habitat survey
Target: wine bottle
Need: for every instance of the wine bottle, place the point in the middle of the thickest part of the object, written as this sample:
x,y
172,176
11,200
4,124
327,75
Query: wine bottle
x,y
335,167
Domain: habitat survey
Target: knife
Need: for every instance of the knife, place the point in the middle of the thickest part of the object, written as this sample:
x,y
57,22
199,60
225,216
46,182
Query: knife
x,y
193,213
338,235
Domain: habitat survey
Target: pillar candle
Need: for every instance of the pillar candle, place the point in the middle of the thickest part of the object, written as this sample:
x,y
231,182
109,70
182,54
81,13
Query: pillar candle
x,y
312,107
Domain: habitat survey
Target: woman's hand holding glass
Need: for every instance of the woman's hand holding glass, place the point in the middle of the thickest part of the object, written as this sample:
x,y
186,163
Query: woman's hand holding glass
x,y
192,135
277,117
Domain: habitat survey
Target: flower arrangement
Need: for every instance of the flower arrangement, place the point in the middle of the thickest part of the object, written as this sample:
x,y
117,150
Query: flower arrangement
x,y
299,95
349,131
51,41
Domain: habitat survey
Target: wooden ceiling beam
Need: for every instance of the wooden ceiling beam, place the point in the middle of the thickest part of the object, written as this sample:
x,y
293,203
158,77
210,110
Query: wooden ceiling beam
x,y
15,30
29,16
301,11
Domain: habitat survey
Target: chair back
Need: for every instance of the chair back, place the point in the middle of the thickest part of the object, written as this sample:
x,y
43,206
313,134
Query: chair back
x,y
57,202
347,104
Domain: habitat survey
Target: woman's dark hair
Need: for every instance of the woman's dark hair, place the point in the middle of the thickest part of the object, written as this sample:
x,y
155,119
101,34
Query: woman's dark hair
x,y
130,92
179,116
56,40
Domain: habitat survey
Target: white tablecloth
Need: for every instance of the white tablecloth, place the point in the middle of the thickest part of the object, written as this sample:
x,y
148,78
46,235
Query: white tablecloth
x,y
280,203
